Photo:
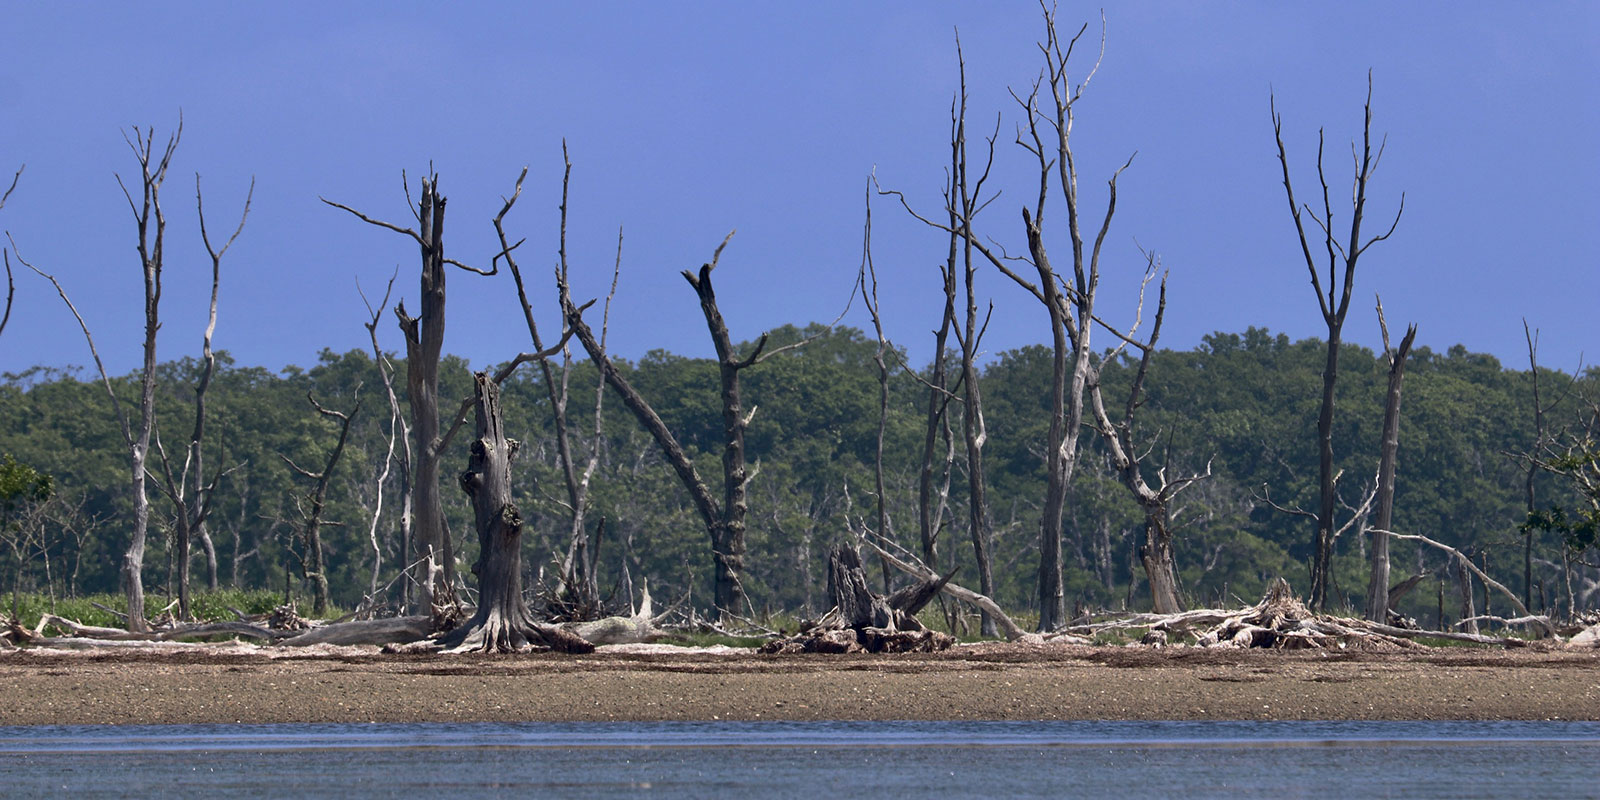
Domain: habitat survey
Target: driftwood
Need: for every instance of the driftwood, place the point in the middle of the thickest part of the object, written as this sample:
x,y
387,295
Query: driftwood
x,y
1588,637
1012,631
863,621
1541,623
1281,621
76,630
636,629
393,630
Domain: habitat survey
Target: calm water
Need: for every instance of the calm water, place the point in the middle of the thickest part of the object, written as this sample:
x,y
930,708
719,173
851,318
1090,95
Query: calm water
x,y
820,760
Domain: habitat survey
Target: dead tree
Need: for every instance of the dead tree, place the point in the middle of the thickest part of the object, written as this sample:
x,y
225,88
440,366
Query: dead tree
x,y
580,554
1334,301
5,255
502,622
932,498
1069,305
1531,459
867,285
188,489
152,226
424,335
725,521
312,564
963,199
1156,554
399,433
1378,585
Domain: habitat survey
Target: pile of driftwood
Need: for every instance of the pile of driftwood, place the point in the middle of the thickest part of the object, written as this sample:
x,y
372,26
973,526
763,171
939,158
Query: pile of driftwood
x,y
284,627
861,621
1281,621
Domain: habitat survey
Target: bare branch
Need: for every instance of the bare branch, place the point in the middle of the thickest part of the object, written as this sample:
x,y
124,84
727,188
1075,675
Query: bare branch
x,y
105,380
378,222
1482,576
13,186
1266,497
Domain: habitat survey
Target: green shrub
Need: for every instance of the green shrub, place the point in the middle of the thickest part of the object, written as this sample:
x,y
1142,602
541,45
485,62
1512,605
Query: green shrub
x,y
205,606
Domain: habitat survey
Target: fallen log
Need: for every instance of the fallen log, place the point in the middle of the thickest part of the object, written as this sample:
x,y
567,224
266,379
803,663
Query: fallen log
x,y
1542,623
1453,636
85,643
636,629
96,632
1013,631
391,630
90,631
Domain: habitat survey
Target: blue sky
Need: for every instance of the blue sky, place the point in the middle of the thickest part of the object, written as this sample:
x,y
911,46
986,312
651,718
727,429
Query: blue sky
x,y
688,120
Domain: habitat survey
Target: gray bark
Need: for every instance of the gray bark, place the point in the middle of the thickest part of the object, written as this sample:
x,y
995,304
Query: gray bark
x,y
313,565
434,553
1334,302
147,212
502,622
1378,585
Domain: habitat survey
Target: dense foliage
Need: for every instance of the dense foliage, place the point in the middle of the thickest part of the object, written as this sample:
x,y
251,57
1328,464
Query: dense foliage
x,y
1244,403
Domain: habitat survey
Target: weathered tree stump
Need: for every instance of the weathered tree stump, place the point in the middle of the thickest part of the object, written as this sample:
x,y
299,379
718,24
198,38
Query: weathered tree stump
x,y
502,622
863,621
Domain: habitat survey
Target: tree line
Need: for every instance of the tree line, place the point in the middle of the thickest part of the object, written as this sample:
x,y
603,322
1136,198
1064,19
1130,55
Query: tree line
x,y
1242,402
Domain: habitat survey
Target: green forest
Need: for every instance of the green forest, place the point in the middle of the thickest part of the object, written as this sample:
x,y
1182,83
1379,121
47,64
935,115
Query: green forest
x,y
1245,403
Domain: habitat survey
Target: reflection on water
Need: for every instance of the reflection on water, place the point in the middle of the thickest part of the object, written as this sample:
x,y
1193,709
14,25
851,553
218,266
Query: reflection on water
x,y
783,759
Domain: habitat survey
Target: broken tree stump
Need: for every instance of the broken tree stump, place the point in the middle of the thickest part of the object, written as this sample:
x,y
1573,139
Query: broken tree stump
x,y
861,621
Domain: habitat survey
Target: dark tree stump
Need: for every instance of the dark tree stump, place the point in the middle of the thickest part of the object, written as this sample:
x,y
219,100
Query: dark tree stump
x,y
861,620
502,623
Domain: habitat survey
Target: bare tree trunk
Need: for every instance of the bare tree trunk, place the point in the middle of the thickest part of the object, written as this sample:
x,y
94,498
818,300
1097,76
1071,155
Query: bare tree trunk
x,y
189,491
312,562
424,343
867,283
424,335
963,202
502,622
399,433
929,514
1334,307
1378,585
725,523
1464,583
727,536
1156,554
577,484
1160,567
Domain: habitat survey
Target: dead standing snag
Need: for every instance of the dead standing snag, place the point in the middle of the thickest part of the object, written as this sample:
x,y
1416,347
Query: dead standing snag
x,y
502,622
312,564
424,337
1378,582
724,522
152,226
1333,301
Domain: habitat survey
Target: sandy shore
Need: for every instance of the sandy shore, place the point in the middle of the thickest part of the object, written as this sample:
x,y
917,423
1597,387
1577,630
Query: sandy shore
x,y
992,681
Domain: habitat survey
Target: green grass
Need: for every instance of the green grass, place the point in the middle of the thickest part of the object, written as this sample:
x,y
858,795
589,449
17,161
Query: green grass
x,y
206,606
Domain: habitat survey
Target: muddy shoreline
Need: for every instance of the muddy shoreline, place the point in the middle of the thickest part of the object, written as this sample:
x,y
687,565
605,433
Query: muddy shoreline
x,y
990,681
